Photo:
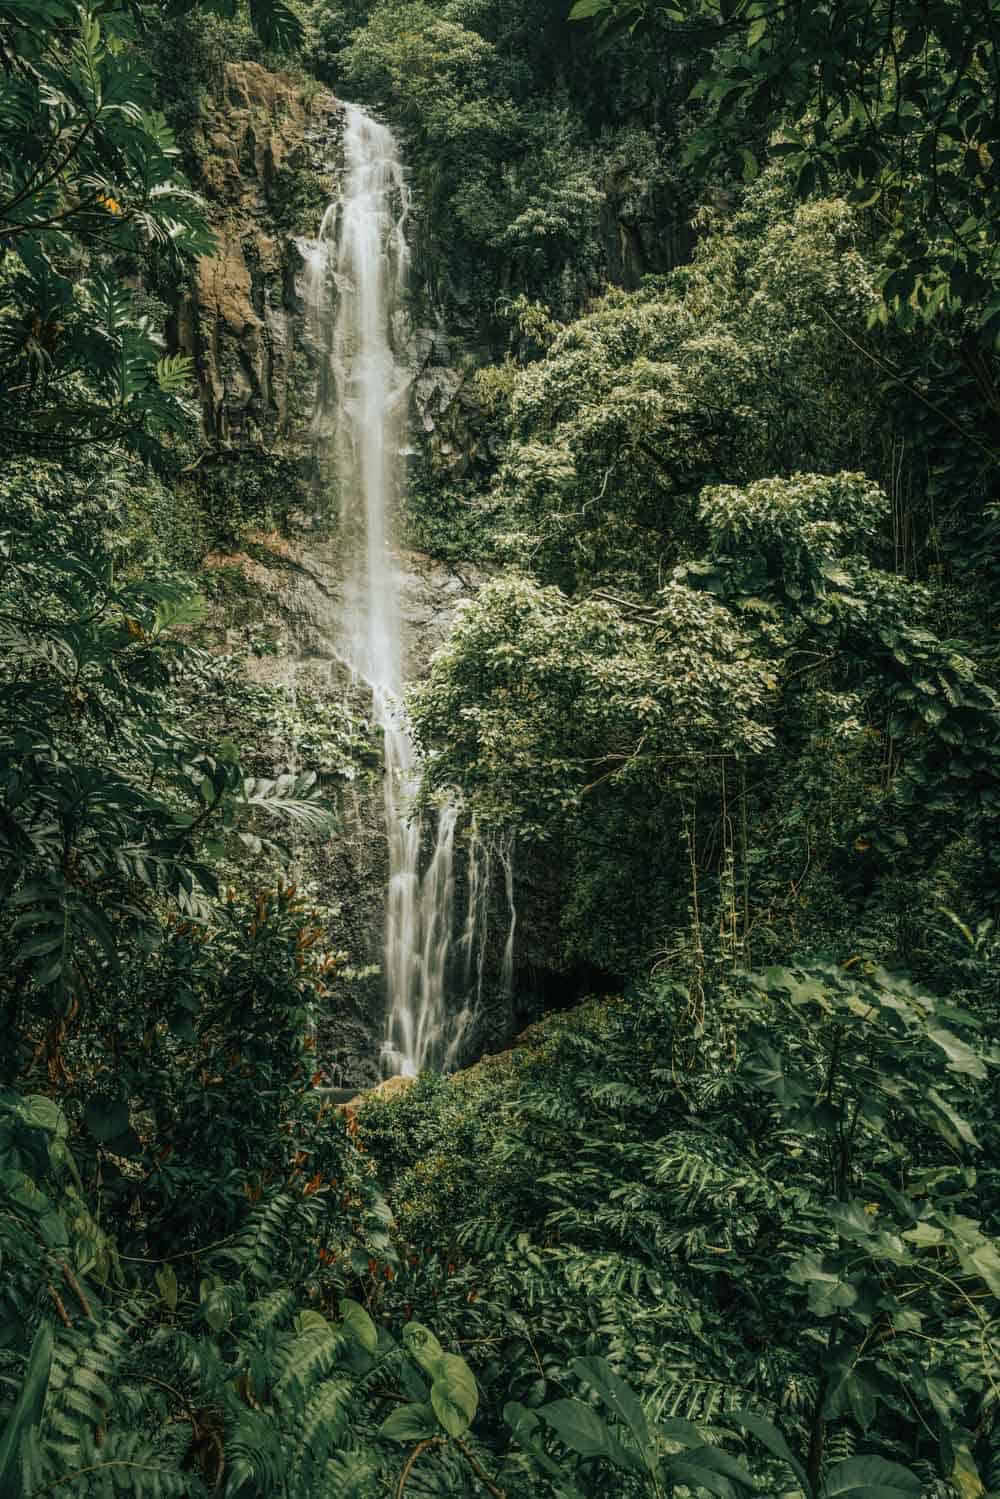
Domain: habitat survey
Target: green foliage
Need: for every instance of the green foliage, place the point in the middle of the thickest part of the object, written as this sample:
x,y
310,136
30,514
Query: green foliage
x,y
776,1224
297,197
727,371
444,518
680,597
897,98
276,23
170,1383
521,189
551,667
108,803
90,187
90,176
176,1315
730,1233
239,494
896,106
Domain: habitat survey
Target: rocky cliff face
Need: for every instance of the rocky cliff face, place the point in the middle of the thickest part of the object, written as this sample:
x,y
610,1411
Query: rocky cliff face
x,y
267,155
450,421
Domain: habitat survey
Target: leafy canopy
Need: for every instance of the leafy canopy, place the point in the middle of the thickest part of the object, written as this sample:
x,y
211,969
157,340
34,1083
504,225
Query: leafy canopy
x,y
895,99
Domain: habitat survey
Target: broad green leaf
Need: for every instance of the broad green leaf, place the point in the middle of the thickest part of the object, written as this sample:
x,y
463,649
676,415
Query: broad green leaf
x,y
829,1291
697,1476
710,1467
769,1071
757,32
851,1394
359,1324
409,1423
770,1437
42,1113
578,1426
525,1427
616,1394
54,1230
676,1429
20,1189
26,1413
454,1395
870,1478
421,1344
924,1235
948,1121
310,1321
965,1473
215,1303
961,1058
983,1261
166,1282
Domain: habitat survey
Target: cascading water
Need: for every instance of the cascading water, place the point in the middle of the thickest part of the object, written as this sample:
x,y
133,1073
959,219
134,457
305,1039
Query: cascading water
x,y
356,276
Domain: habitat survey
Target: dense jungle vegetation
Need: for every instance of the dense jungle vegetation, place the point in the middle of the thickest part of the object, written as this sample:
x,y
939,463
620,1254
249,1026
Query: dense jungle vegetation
x,y
726,282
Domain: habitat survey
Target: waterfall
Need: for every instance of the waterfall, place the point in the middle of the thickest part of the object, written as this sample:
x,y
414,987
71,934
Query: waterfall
x,y
354,285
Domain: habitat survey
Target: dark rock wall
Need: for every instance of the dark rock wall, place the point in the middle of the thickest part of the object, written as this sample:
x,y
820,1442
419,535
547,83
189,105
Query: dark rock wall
x,y
267,157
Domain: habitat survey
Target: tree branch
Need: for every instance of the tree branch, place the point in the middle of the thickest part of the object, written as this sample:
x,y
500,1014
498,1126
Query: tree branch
x,y
478,1469
418,1450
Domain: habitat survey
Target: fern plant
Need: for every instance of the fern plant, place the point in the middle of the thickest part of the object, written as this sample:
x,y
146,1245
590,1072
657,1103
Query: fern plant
x,y
790,1224
201,1372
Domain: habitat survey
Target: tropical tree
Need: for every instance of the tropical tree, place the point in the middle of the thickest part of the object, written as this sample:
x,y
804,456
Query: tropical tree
x,y
897,98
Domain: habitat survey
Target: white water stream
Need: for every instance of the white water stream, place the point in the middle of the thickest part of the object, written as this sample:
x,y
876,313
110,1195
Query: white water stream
x,y
356,276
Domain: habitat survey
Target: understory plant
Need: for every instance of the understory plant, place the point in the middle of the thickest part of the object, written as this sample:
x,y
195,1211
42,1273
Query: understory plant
x,y
781,1209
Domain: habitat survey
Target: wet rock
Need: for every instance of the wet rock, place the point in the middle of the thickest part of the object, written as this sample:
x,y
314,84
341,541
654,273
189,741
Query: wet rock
x,y
449,416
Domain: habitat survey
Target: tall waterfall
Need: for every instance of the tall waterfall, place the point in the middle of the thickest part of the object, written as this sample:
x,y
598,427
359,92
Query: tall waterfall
x,y
356,277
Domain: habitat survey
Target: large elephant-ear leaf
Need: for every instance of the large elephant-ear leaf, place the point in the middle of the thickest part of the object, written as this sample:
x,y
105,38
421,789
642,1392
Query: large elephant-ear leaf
x,y
413,1422
578,1426
870,1478
454,1395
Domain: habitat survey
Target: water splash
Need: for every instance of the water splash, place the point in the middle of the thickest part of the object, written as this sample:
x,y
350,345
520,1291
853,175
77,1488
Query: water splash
x,y
354,285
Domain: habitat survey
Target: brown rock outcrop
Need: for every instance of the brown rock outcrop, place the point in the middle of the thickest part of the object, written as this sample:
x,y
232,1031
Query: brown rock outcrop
x,y
267,154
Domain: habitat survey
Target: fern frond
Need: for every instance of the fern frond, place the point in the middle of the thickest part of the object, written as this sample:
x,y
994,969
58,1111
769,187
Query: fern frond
x,y
255,1455
319,1429
270,1312
310,1356
351,1475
